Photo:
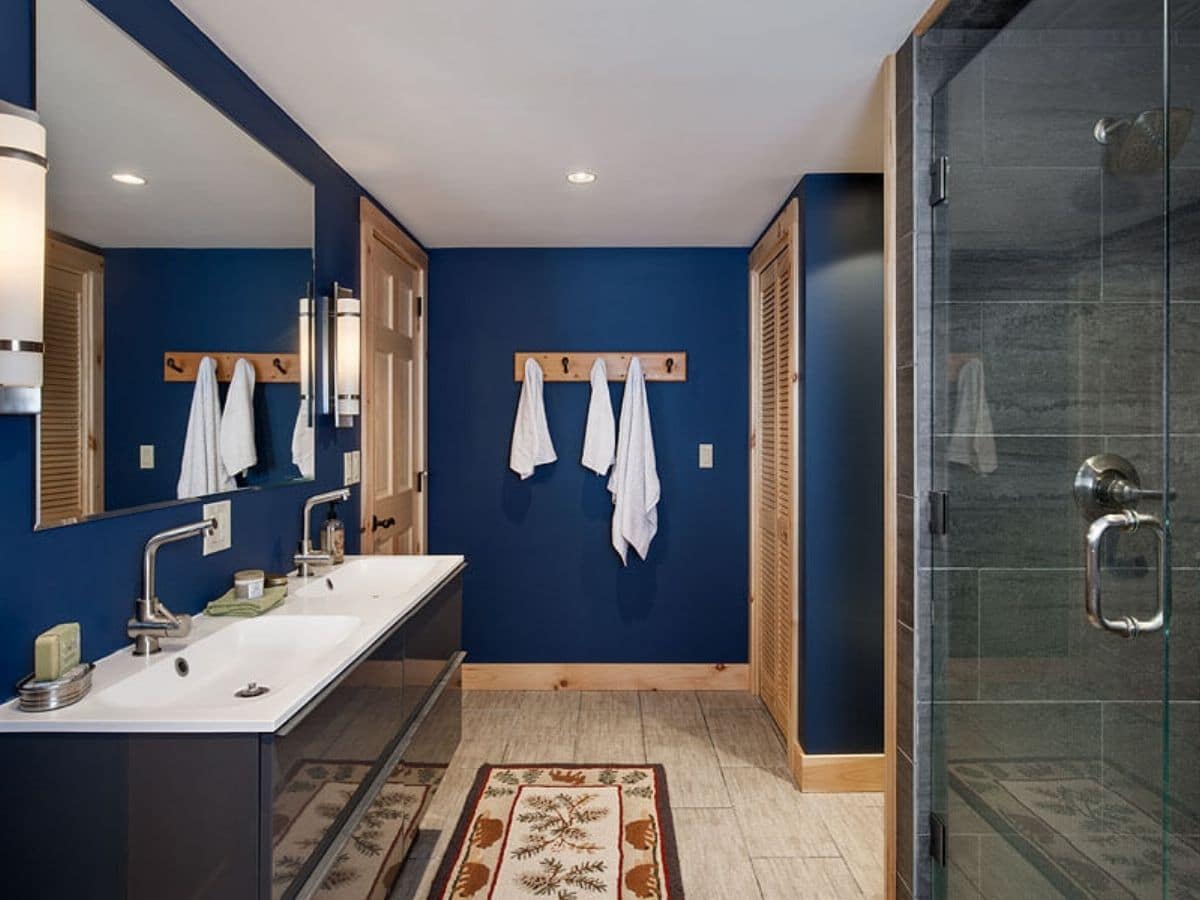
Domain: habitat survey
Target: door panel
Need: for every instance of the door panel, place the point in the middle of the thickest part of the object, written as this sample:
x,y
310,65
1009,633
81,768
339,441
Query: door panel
x,y
393,507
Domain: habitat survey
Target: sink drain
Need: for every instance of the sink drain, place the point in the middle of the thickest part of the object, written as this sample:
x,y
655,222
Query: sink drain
x,y
253,689
182,667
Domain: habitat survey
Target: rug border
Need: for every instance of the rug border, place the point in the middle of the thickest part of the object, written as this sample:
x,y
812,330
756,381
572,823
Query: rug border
x,y
666,822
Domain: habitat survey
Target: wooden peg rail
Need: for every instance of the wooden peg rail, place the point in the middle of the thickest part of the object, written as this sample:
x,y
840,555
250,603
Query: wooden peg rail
x,y
564,365
269,368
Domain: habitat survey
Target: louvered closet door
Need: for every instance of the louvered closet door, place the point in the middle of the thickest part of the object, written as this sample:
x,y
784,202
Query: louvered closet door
x,y
776,478
62,441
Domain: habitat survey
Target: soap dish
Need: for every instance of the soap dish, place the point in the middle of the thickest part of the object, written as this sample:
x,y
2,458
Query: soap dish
x,y
43,696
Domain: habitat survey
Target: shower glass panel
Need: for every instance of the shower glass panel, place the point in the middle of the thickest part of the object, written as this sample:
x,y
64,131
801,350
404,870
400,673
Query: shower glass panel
x,y
1066,288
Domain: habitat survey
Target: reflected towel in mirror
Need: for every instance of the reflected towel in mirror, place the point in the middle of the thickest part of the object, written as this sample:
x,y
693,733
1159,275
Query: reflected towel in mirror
x,y
201,470
973,444
238,452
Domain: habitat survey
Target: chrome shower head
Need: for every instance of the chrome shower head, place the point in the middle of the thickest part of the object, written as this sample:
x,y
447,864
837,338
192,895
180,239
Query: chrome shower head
x,y
1135,147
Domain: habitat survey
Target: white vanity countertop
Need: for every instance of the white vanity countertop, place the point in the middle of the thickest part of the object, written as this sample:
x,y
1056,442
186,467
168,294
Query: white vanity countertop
x,y
297,649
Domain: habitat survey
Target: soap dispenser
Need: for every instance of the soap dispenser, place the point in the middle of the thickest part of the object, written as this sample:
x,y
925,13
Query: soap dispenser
x,y
333,536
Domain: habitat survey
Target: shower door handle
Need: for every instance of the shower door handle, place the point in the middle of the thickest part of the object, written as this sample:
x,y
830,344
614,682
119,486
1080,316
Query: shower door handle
x,y
1126,520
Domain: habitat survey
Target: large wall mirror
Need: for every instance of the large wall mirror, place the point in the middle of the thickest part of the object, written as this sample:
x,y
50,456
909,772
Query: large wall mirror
x,y
173,235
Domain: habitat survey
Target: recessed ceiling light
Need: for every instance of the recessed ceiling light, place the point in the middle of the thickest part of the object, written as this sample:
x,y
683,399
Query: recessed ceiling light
x,y
128,178
582,176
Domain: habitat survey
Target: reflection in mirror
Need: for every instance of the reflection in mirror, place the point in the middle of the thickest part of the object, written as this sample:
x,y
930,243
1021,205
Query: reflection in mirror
x,y
173,235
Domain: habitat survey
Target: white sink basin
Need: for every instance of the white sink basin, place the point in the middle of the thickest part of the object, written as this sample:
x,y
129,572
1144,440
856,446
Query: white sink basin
x,y
370,576
271,651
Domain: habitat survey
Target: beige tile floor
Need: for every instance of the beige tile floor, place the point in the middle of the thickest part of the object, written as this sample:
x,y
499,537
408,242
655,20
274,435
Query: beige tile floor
x,y
743,831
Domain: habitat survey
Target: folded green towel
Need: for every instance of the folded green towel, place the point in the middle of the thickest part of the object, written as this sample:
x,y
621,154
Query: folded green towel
x,y
228,604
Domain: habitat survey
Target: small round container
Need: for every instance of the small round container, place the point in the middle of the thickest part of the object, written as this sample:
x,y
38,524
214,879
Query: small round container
x,y
43,696
248,584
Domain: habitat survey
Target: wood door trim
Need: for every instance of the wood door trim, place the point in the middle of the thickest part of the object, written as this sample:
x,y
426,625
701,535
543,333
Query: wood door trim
x,y
782,235
374,224
605,677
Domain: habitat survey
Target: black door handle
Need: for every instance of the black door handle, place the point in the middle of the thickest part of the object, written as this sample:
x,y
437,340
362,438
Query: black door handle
x,y
376,523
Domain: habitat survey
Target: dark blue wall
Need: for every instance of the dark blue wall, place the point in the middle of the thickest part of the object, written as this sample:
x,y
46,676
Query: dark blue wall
x,y
841,598
236,300
545,584
90,572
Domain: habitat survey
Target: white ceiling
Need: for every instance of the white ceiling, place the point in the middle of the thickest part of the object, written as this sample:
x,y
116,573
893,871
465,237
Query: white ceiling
x,y
463,116
109,106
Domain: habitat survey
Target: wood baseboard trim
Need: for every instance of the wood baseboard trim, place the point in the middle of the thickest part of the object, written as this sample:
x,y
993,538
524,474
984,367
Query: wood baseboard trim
x,y
836,773
606,677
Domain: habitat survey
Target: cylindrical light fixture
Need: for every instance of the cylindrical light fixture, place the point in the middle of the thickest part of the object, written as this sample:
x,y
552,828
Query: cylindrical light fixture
x,y
306,356
22,258
347,356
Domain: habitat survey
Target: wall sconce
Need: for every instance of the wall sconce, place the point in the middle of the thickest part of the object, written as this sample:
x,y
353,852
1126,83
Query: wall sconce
x,y
22,258
343,357
307,343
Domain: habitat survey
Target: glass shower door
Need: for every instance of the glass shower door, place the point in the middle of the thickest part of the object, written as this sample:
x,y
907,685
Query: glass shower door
x,y
1052,438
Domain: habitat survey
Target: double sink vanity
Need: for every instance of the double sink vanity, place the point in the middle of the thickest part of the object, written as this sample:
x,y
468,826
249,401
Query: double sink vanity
x,y
239,760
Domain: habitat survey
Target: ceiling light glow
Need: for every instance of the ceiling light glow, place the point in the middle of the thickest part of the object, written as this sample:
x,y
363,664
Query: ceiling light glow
x,y
582,176
128,178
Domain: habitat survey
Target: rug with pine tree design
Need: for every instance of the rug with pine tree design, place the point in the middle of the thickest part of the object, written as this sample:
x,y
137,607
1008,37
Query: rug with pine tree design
x,y
563,831
314,795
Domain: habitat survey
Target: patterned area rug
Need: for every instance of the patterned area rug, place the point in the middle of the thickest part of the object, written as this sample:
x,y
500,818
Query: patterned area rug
x,y
1090,834
315,794
566,832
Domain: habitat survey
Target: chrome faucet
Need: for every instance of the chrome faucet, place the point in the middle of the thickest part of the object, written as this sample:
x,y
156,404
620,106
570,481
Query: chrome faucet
x,y
152,620
308,557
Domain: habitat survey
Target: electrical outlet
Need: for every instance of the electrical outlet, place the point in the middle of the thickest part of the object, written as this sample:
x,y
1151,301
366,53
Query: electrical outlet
x,y
706,456
146,456
222,537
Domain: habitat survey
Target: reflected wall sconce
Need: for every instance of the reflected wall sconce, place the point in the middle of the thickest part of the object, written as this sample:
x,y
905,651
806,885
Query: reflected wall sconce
x,y
22,258
343,357
308,342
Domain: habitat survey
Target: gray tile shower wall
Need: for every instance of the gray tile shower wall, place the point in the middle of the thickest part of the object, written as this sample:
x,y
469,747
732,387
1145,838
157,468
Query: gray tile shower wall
x,y
1046,281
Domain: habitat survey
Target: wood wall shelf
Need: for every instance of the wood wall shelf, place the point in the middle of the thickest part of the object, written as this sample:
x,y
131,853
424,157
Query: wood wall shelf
x,y
269,368
567,365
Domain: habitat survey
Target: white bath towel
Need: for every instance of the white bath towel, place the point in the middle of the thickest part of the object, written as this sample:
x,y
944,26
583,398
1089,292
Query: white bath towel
x,y
238,451
634,480
531,444
600,438
201,471
303,451
973,444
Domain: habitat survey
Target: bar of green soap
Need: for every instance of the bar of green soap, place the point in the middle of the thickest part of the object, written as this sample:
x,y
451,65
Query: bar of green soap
x,y
56,651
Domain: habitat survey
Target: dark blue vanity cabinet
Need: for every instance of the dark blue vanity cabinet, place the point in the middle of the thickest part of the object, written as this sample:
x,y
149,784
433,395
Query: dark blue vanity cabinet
x,y
231,816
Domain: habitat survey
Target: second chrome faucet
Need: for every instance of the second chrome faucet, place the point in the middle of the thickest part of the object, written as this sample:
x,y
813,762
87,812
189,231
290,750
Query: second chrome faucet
x,y
307,557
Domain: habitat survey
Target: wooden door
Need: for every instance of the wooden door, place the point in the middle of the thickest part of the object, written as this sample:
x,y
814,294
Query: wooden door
x,y
393,498
774,485
71,441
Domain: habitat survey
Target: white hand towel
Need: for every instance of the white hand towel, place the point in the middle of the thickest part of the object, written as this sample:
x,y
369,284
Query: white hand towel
x,y
303,451
973,444
238,452
600,438
634,481
201,471
531,444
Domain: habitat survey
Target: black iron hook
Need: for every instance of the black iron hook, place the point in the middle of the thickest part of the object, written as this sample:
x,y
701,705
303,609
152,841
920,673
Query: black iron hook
x,y
670,364
278,365
566,364
171,364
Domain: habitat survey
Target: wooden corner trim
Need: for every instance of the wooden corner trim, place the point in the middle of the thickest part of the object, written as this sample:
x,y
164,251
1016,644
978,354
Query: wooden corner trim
x,y
606,677
372,217
828,773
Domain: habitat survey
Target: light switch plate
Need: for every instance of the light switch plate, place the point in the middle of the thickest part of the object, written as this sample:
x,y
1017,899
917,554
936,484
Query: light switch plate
x,y
356,465
146,456
222,537
347,469
706,456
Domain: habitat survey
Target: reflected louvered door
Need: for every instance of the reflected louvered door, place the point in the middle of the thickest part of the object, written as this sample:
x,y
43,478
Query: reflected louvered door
x,y
775,553
62,430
